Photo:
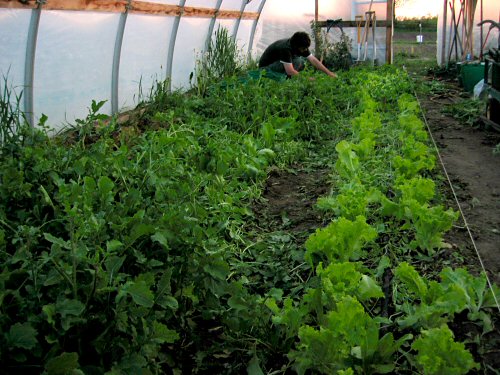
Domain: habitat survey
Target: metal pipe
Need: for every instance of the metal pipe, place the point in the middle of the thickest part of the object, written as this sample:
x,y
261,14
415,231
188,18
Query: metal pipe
x,y
212,24
238,20
254,27
171,47
115,74
29,64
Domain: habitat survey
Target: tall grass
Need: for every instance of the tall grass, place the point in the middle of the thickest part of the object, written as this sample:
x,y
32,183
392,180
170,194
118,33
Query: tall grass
x,y
221,59
11,117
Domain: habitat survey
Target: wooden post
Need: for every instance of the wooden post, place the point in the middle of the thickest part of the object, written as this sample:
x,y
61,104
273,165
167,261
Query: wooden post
x,y
316,29
388,31
443,36
481,32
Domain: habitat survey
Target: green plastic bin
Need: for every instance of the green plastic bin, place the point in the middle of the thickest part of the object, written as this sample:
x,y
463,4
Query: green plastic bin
x,y
471,74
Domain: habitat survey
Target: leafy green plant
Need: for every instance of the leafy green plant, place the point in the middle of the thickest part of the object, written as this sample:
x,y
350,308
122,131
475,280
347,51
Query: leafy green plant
x,y
466,110
341,240
135,248
438,302
338,54
348,338
438,353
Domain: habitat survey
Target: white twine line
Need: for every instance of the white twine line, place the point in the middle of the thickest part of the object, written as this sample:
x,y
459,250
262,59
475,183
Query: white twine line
x,y
458,203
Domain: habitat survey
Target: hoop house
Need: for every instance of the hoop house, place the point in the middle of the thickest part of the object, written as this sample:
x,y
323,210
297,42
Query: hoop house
x,y
168,206
64,54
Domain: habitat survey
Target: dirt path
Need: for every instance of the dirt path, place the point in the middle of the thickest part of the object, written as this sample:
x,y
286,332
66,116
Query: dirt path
x,y
289,200
467,155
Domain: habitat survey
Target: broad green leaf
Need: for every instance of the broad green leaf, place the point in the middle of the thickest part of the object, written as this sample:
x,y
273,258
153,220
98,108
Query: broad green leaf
x,y
217,268
63,364
348,162
368,288
340,241
66,307
50,312
22,335
384,263
168,302
58,241
163,285
53,278
161,334
411,279
140,230
161,239
473,288
254,367
113,245
105,185
276,293
140,293
113,265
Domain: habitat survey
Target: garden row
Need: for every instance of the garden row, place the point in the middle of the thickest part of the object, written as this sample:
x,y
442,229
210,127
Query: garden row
x,y
130,249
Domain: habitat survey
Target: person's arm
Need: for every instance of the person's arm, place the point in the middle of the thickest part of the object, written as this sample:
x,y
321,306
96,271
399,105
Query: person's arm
x,y
289,69
319,65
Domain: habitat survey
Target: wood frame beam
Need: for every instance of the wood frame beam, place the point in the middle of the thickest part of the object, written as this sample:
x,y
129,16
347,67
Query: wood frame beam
x,y
120,6
344,23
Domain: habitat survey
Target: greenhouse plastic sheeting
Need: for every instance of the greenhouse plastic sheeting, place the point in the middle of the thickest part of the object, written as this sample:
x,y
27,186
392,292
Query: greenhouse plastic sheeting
x,y
143,57
491,11
117,56
69,75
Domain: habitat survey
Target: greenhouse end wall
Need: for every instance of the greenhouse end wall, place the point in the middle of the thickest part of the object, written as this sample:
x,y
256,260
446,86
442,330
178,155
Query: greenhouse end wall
x,y
448,48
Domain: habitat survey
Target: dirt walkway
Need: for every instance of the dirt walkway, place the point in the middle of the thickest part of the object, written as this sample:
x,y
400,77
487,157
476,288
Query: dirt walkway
x,y
467,154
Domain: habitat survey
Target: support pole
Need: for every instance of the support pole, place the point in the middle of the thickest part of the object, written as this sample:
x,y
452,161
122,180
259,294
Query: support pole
x,y
238,20
254,27
443,36
212,24
171,47
115,74
316,30
481,32
389,31
29,64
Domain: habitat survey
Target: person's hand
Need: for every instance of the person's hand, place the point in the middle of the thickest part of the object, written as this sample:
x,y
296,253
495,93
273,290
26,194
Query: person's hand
x,y
332,74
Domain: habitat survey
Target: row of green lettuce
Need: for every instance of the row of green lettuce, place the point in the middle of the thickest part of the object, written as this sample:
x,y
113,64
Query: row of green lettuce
x,y
385,217
132,249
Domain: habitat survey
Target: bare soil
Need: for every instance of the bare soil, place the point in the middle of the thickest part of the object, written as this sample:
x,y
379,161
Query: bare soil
x,y
467,156
472,186
289,198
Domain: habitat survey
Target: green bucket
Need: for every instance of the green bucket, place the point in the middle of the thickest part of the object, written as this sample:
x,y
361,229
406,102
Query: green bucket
x,y
470,75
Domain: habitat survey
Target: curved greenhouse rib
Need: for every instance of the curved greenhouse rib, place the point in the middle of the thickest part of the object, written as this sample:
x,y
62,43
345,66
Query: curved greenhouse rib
x,y
115,74
171,46
212,24
29,65
254,27
238,20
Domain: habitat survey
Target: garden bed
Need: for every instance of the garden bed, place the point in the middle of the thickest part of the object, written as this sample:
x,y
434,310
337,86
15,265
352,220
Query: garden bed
x,y
264,227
